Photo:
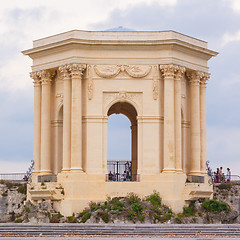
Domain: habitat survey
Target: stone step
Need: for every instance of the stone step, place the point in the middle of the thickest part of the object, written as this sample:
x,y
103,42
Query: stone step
x,y
114,229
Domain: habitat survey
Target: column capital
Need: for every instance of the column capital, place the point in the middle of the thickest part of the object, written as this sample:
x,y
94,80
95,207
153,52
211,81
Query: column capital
x,y
180,72
204,79
168,70
36,79
64,72
46,77
195,77
76,69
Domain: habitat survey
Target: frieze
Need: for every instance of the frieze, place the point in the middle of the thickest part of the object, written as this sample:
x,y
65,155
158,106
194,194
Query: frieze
x,y
111,71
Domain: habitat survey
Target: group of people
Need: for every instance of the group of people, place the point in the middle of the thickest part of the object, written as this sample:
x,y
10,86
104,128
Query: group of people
x,y
123,177
219,176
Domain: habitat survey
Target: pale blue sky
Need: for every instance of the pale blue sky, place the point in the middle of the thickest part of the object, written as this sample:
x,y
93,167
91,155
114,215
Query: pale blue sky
x,y
215,21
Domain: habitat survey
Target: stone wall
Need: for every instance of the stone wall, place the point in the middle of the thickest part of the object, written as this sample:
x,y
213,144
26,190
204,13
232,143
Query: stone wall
x,y
12,199
229,193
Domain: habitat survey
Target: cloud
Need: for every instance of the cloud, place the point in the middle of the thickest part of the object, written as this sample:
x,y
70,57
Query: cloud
x,y
228,37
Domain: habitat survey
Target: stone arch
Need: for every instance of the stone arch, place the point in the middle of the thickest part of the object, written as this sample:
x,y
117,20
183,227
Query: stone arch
x,y
130,112
126,100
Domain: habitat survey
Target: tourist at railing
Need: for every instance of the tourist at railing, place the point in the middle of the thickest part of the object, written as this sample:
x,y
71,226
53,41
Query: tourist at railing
x,y
219,176
110,176
228,175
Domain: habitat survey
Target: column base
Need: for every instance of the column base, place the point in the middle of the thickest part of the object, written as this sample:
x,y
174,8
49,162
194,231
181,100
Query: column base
x,y
179,170
195,173
76,170
45,172
169,170
65,170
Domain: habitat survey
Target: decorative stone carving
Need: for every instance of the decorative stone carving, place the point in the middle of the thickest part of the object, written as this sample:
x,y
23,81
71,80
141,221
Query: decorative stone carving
x,y
195,77
45,76
172,71
36,79
90,82
110,71
180,72
169,70
204,79
64,72
76,69
155,83
60,96
134,98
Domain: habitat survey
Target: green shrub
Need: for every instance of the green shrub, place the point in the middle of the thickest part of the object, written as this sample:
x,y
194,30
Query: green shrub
x,y
85,217
190,210
155,199
215,206
27,209
71,219
22,189
18,220
84,212
133,198
137,208
130,214
104,216
94,206
54,219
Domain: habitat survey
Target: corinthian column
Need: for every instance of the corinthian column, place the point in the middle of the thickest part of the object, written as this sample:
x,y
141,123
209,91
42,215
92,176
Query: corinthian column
x,y
178,118
46,79
66,117
37,122
76,71
203,125
194,78
168,73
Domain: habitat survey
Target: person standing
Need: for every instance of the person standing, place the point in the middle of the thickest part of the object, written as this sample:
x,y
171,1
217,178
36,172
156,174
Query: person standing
x,y
228,175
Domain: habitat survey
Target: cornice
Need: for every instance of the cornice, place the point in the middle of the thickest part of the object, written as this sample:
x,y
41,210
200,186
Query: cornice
x,y
73,43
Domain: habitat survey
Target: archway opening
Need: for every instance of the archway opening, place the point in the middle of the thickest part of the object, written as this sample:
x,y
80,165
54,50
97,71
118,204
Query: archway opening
x,y
122,142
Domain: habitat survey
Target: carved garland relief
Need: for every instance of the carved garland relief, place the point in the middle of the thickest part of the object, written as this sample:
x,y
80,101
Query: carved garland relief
x,y
110,71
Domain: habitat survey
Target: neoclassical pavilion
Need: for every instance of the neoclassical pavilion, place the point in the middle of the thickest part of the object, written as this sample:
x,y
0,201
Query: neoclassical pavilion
x,y
157,79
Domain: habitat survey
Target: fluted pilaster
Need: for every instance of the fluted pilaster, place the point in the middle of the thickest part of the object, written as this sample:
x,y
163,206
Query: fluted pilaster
x,y
76,72
168,73
194,78
178,118
203,125
46,79
37,121
66,117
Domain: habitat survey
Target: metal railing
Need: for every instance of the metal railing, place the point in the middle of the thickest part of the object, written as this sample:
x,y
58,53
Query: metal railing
x,y
195,179
122,178
12,177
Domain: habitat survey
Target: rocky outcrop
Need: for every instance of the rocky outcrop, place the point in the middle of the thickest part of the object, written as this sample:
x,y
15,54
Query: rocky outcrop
x,y
12,197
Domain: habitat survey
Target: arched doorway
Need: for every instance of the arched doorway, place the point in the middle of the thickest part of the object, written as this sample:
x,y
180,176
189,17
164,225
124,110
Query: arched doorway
x,y
130,168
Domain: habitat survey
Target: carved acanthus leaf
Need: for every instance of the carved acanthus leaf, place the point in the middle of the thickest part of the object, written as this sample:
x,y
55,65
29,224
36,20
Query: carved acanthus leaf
x,y
76,69
36,79
168,70
46,76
